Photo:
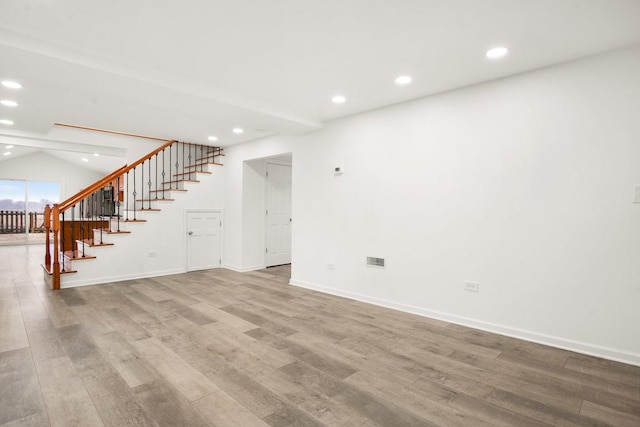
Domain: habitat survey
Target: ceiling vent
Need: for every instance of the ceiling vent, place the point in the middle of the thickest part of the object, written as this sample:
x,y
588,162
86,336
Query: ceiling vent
x,y
375,262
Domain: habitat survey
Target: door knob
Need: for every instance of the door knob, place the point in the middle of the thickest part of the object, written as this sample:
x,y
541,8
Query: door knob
x,y
190,233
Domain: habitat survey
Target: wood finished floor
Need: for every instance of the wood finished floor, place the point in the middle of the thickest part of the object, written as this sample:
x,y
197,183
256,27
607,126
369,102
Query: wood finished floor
x,y
228,349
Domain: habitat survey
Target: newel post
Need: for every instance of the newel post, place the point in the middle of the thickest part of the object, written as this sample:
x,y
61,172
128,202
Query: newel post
x,y
55,283
47,228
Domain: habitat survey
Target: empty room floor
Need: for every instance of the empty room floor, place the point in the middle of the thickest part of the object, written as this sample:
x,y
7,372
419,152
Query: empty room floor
x,y
221,348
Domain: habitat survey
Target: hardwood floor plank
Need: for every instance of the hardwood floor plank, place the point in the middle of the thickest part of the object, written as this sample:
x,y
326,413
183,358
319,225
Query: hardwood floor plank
x,y
43,340
167,406
223,410
187,312
81,349
187,380
116,403
20,395
435,412
609,415
35,420
224,317
65,397
124,324
131,366
91,320
472,405
274,327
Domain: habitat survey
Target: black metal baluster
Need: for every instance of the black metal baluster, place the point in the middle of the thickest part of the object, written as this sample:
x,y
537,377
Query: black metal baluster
x,y
82,225
202,154
134,194
142,181
100,196
191,164
149,183
156,176
62,242
73,231
163,181
118,202
109,206
170,166
177,164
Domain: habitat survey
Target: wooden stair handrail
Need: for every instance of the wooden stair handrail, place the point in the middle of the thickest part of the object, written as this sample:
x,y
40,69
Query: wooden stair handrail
x,y
82,194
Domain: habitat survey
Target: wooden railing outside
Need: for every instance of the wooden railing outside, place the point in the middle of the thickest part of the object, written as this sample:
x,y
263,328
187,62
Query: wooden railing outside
x,y
118,197
16,222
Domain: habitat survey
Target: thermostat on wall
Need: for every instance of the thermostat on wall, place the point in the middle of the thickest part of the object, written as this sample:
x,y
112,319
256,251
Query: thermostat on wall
x,y
338,170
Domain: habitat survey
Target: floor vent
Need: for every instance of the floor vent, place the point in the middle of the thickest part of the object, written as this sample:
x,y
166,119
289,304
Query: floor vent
x,y
375,262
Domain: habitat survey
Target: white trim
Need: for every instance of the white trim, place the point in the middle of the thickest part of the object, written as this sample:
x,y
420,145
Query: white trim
x,y
64,284
558,342
239,269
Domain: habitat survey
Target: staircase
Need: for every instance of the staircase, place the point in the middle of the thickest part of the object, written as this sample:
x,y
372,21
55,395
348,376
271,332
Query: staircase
x,y
105,230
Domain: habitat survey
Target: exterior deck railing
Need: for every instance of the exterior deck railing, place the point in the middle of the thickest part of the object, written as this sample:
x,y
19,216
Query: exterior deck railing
x,y
16,222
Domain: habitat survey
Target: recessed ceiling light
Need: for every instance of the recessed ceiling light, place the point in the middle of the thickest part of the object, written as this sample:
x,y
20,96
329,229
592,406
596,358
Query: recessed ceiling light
x,y
238,130
403,80
338,99
6,122
212,138
9,147
96,154
7,153
84,159
497,52
9,103
10,84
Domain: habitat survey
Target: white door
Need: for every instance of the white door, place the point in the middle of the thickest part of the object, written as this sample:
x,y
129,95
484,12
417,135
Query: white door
x,y
278,250
203,240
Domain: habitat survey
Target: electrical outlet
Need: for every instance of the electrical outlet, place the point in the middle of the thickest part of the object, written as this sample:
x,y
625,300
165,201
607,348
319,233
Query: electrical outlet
x,y
153,254
472,286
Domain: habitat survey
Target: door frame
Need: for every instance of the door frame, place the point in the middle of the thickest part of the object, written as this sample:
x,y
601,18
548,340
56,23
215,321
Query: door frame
x,y
265,236
186,238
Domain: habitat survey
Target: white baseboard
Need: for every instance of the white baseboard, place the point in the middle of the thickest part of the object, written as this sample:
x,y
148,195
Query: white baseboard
x,y
101,280
238,269
563,343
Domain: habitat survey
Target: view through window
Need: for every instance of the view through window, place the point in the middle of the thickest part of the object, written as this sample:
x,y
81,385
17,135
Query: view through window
x,y
22,209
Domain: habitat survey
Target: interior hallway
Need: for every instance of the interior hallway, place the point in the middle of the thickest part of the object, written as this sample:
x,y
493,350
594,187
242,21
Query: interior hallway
x,y
228,349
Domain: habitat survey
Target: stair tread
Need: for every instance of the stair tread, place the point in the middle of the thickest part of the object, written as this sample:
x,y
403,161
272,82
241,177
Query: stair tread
x,y
178,181
106,231
133,220
189,173
195,165
50,272
155,200
92,244
143,209
210,157
169,189
76,256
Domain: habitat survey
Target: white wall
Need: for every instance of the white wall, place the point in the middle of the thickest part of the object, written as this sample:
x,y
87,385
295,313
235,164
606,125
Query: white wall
x,y
523,185
40,166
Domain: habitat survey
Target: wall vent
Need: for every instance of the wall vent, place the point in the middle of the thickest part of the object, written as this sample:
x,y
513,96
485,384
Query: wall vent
x,y
375,262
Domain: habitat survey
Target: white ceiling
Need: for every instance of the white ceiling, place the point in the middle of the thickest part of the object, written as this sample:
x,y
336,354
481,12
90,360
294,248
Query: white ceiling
x,y
185,70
